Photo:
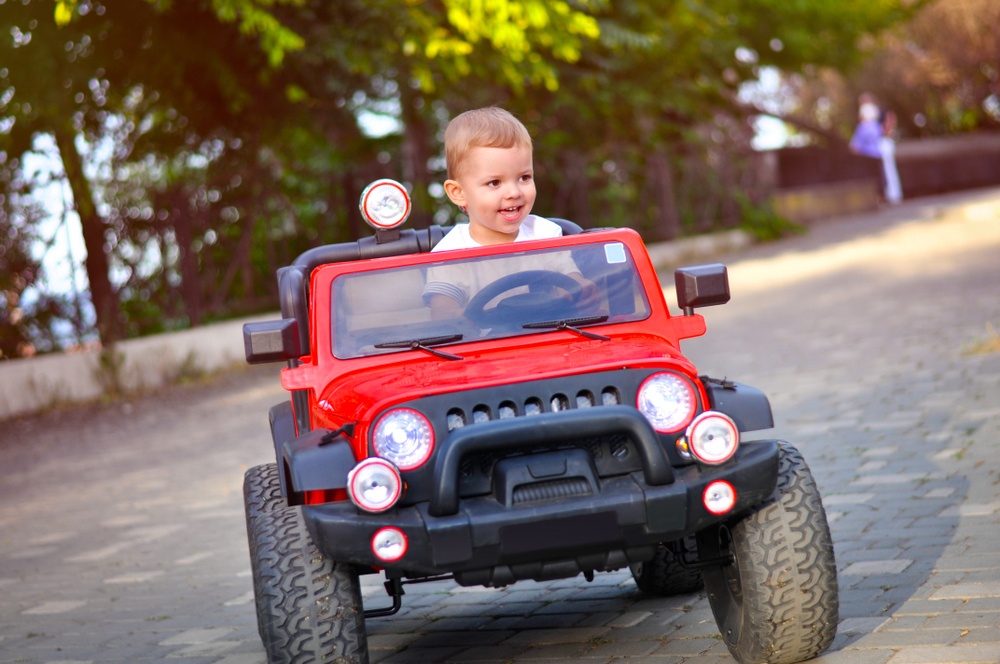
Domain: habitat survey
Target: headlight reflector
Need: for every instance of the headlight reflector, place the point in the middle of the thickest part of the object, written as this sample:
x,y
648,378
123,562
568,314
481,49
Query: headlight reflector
x,y
404,437
374,485
667,401
713,437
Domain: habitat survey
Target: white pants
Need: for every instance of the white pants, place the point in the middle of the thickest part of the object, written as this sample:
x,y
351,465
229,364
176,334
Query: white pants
x,y
893,191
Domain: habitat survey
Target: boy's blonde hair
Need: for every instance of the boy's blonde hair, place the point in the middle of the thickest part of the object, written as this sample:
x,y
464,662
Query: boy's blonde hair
x,y
481,128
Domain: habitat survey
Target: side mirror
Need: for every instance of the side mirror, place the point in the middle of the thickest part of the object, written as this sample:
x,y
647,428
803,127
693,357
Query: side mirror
x,y
701,286
271,341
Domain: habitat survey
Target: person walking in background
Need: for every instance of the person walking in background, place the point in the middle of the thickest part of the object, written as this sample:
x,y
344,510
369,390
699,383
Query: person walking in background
x,y
887,146
873,139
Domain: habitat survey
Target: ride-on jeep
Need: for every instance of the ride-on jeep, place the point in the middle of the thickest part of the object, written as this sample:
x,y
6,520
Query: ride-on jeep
x,y
539,433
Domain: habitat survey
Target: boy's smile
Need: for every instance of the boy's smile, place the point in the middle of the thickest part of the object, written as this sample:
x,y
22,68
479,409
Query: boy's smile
x,y
496,186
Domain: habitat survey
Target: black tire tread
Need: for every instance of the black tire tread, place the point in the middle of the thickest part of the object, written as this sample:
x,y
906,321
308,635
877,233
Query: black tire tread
x,y
261,491
788,572
309,607
664,575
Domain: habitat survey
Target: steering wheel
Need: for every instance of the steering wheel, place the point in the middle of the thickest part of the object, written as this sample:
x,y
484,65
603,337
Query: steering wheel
x,y
538,304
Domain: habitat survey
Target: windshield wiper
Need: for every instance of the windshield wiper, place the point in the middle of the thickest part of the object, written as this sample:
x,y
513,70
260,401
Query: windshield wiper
x,y
571,324
426,344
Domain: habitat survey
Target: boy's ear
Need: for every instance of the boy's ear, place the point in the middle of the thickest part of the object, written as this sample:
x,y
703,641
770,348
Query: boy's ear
x,y
455,192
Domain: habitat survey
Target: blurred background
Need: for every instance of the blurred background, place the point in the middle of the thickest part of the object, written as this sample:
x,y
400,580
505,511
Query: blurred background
x,y
160,159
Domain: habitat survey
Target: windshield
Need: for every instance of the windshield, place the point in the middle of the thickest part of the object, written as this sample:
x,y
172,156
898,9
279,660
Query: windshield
x,y
454,301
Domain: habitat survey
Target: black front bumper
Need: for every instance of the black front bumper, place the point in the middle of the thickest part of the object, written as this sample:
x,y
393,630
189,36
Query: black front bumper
x,y
490,540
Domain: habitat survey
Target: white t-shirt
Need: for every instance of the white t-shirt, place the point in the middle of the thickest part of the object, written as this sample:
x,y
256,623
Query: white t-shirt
x,y
532,228
460,282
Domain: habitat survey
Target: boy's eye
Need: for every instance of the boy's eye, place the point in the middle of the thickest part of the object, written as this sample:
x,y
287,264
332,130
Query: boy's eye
x,y
493,183
526,178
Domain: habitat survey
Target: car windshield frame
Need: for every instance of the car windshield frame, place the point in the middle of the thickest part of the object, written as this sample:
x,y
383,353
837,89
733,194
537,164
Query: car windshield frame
x,y
387,310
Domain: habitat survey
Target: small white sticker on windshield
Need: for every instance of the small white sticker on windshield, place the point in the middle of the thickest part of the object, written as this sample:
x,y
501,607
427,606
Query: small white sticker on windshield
x,y
615,253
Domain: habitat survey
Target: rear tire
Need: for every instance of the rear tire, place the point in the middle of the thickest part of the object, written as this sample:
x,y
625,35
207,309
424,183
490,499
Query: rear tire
x,y
261,494
309,607
777,602
664,575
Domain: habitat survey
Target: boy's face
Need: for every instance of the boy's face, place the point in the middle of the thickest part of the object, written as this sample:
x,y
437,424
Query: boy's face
x,y
497,188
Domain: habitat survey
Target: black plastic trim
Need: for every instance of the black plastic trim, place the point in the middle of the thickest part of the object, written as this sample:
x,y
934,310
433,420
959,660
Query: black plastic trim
x,y
748,406
470,543
318,460
549,428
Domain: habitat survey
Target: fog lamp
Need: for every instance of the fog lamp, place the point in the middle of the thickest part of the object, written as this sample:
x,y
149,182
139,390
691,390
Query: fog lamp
x,y
389,544
719,497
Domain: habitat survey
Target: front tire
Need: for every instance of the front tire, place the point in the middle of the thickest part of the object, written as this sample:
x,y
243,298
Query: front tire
x,y
309,607
777,602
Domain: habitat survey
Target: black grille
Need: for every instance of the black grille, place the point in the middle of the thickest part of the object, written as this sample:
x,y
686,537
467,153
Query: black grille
x,y
567,488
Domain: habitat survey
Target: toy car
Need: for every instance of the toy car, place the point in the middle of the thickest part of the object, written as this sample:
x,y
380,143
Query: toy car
x,y
537,435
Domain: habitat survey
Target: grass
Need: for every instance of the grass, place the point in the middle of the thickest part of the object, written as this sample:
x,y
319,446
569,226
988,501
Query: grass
x,y
991,344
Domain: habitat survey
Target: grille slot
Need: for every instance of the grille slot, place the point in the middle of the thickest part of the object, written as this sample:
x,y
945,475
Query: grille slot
x,y
562,488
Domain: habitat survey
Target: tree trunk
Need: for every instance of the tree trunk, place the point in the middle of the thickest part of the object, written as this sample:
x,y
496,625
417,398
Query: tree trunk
x,y
661,180
190,283
102,293
416,153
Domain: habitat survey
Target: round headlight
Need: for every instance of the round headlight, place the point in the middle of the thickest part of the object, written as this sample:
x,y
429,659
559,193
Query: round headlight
x,y
667,401
404,437
713,437
374,485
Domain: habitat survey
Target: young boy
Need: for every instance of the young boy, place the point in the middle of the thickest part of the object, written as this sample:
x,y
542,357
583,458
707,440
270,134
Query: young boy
x,y
488,153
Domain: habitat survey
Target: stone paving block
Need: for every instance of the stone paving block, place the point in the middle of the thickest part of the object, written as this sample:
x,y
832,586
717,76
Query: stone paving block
x,y
456,624
967,591
982,635
658,626
493,653
558,652
585,606
862,625
962,621
972,510
900,639
425,655
464,638
551,621
598,619
877,567
624,651
244,658
543,636
630,619
686,647
854,656
957,654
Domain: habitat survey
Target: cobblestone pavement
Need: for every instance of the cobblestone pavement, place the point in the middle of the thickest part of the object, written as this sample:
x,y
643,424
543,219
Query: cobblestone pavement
x,y
121,525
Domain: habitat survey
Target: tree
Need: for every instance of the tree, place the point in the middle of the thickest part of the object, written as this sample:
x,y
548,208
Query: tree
x,y
70,80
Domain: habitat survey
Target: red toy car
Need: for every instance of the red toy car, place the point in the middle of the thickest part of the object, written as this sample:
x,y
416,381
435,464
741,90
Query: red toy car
x,y
537,435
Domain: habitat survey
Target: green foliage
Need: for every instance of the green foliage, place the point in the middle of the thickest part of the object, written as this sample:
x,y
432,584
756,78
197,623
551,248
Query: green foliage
x,y
218,139
761,221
